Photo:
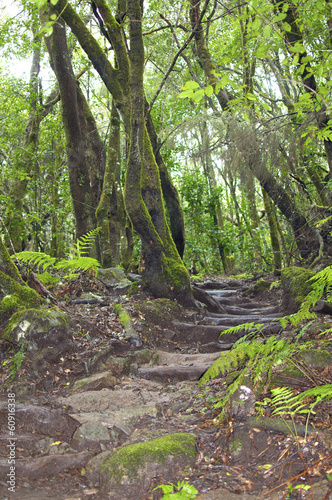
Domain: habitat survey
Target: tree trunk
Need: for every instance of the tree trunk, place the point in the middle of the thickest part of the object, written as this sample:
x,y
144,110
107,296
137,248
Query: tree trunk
x,y
272,220
79,178
115,238
162,268
170,193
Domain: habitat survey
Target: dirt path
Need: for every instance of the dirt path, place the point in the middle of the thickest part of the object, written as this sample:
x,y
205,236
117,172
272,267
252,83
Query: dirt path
x,y
111,392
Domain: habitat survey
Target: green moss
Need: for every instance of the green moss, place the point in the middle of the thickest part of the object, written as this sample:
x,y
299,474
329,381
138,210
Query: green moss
x,y
318,358
134,288
295,284
123,315
47,318
10,304
129,459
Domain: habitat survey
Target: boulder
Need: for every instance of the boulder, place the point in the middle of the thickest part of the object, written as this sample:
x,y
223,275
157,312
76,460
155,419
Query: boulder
x,y
129,472
296,286
40,329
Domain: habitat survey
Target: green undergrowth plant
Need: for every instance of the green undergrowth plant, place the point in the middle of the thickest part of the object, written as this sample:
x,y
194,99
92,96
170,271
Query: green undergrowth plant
x,y
321,284
182,490
253,358
285,403
77,260
15,362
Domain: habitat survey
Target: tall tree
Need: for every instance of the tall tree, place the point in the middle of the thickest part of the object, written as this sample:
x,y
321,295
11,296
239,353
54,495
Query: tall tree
x,y
162,269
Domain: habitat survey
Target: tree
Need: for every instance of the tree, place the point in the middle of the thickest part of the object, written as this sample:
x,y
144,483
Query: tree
x,y
162,269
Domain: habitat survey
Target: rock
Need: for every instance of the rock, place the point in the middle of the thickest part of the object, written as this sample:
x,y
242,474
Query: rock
x,y
95,382
38,329
47,422
247,443
171,373
134,277
90,434
260,286
129,472
242,402
48,466
317,358
114,278
295,285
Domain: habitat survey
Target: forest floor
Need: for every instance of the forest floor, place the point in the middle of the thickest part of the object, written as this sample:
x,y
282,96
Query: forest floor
x,y
145,383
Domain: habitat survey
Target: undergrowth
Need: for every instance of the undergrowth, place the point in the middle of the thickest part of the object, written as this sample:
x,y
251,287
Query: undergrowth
x,y
253,358
77,260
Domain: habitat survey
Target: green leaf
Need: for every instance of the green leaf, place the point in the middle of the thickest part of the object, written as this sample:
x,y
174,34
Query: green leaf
x,y
190,85
198,95
208,90
267,31
286,27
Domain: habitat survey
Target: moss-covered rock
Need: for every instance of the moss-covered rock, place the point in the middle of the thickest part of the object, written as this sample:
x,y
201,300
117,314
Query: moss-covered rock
x,y
15,295
317,358
38,329
295,285
160,311
128,472
258,287
115,278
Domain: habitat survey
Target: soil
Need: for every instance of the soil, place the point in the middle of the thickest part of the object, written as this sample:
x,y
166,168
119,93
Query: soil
x,y
143,382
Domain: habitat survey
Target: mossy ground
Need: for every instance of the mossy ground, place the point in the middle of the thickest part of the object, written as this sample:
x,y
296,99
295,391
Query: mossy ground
x,y
129,459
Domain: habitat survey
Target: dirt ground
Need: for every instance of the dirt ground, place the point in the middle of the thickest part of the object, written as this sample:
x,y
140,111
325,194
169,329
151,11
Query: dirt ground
x,y
165,385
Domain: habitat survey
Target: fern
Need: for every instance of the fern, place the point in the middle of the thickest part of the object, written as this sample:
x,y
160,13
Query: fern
x,y
255,359
40,259
84,243
321,283
79,264
76,261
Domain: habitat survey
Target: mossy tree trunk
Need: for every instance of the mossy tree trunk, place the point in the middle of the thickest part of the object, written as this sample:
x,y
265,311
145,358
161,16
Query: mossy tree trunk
x,y
162,268
171,196
116,241
73,118
14,293
273,225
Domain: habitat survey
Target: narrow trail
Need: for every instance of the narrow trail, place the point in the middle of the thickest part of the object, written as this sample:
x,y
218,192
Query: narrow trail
x,y
128,394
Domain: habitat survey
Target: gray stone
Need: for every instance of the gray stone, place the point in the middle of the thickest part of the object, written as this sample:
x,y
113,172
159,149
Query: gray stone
x,y
95,382
90,431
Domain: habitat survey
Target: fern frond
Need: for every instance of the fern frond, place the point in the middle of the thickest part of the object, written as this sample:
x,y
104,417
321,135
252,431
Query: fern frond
x,y
79,264
39,259
84,243
244,326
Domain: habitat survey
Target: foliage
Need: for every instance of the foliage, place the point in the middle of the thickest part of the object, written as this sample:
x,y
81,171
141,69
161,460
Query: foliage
x,y
321,283
77,260
15,362
182,490
255,360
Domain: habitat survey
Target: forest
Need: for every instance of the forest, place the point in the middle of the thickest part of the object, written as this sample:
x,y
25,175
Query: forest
x,y
196,136
165,248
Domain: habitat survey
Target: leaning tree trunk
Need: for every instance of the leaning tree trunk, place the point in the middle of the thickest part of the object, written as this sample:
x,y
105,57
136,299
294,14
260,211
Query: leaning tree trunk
x,y
305,237
162,268
79,180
